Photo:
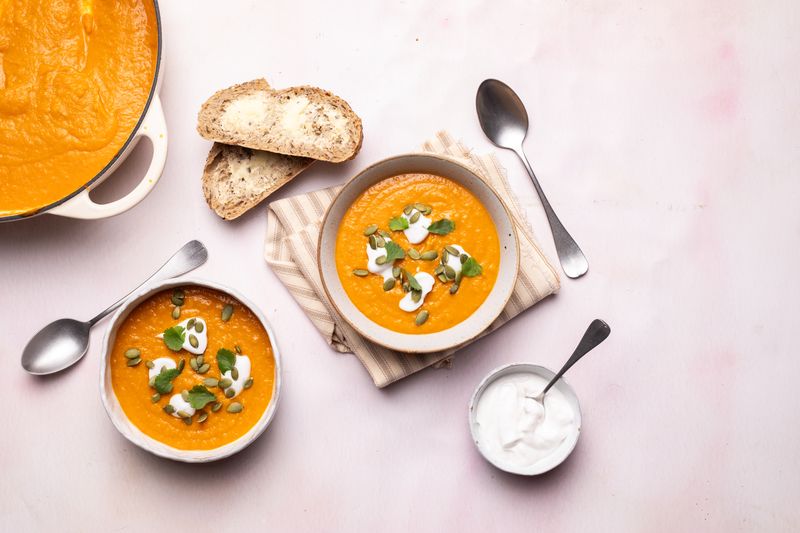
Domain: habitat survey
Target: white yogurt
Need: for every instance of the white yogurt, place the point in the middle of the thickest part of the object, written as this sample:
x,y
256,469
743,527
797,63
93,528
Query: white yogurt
x,y
384,270
242,365
417,231
160,364
517,431
425,281
202,337
455,262
179,404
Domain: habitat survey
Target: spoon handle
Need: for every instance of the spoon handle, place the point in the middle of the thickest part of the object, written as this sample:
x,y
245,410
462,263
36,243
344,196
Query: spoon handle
x,y
570,255
596,333
190,256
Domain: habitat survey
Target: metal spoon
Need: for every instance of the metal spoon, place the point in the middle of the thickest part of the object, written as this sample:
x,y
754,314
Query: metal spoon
x,y
63,343
505,122
596,333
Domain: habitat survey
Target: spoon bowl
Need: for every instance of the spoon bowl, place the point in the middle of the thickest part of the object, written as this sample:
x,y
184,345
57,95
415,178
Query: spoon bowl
x,y
56,346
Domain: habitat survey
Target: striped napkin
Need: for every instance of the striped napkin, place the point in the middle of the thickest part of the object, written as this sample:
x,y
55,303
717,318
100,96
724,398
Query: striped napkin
x,y
293,226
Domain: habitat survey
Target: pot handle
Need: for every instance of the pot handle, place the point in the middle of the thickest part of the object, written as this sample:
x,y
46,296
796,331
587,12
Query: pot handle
x,y
154,127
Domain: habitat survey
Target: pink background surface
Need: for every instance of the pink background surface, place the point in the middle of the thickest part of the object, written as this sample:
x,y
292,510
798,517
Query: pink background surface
x,y
667,137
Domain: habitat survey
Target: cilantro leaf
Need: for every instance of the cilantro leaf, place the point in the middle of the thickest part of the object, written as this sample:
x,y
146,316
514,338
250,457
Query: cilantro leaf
x,y
442,227
393,252
174,338
398,224
225,360
471,268
163,381
412,281
200,396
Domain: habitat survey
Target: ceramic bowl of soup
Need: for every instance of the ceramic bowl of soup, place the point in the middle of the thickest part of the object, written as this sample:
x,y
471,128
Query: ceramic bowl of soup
x,y
418,253
190,371
78,89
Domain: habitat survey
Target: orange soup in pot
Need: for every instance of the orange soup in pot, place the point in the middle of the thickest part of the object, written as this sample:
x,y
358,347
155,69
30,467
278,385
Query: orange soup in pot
x,y
75,76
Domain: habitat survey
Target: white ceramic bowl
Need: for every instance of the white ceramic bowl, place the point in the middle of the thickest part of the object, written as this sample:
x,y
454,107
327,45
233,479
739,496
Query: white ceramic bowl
x,y
561,453
509,257
134,434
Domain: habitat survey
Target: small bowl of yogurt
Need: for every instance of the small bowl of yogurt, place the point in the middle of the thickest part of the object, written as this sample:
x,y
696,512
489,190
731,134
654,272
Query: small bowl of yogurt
x,y
516,433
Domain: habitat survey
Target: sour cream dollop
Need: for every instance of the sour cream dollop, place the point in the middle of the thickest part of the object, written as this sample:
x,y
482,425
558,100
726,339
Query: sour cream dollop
x,y
160,364
417,231
202,336
384,270
242,365
517,431
425,281
179,404
455,262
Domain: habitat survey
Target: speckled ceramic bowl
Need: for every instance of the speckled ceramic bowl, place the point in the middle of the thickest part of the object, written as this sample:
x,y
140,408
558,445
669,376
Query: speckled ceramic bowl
x,y
133,433
489,310
561,453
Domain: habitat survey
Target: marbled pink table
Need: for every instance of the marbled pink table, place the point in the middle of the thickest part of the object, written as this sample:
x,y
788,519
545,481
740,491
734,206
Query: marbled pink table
x,y
667,137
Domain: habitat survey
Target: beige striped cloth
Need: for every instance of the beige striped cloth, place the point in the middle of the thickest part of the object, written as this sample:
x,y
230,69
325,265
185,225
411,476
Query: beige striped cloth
x,y
293,226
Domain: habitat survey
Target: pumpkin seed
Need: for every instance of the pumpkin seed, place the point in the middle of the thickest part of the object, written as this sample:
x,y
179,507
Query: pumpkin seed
x,y
149,364
193,341
155,397
385,234
415,217
427,210
178,297
445,257
373,242
248,383
227,312
413,254
381,260
420,207
193,364
430,255
464,258
458,278
438,270
190,324
237,348
132,353
360,272
183,414
235,373
134,362
230,393
407,210
406,287
396,272
152,381
211,382
187,420
203,368
416,296
224,383
169,409
442,277
185,396
199,327
176,312
199,360
389,284
216,406
202,417
369,230
452,251
235,407
454,288
421,317
449,272
380,241
181,365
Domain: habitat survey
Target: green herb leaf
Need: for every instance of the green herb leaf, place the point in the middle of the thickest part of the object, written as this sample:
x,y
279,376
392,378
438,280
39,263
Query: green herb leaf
x,y
398,224
471,268
442,227
163,381
200,396
174,338
225,360
393,252
412,281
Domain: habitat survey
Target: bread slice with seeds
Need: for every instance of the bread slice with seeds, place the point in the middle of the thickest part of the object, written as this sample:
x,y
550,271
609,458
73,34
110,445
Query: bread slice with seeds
x,y
236,179
298,121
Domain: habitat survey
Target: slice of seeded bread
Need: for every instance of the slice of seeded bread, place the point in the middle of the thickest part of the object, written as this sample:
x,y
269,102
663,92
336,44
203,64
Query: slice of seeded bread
x,y
236,179
299,121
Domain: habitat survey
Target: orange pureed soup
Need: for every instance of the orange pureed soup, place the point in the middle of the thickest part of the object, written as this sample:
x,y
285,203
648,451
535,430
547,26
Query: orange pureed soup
x,y
75,76
219,420
462,222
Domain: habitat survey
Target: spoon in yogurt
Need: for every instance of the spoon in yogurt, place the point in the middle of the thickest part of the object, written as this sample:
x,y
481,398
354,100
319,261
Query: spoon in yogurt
x,y
64,342
596,333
